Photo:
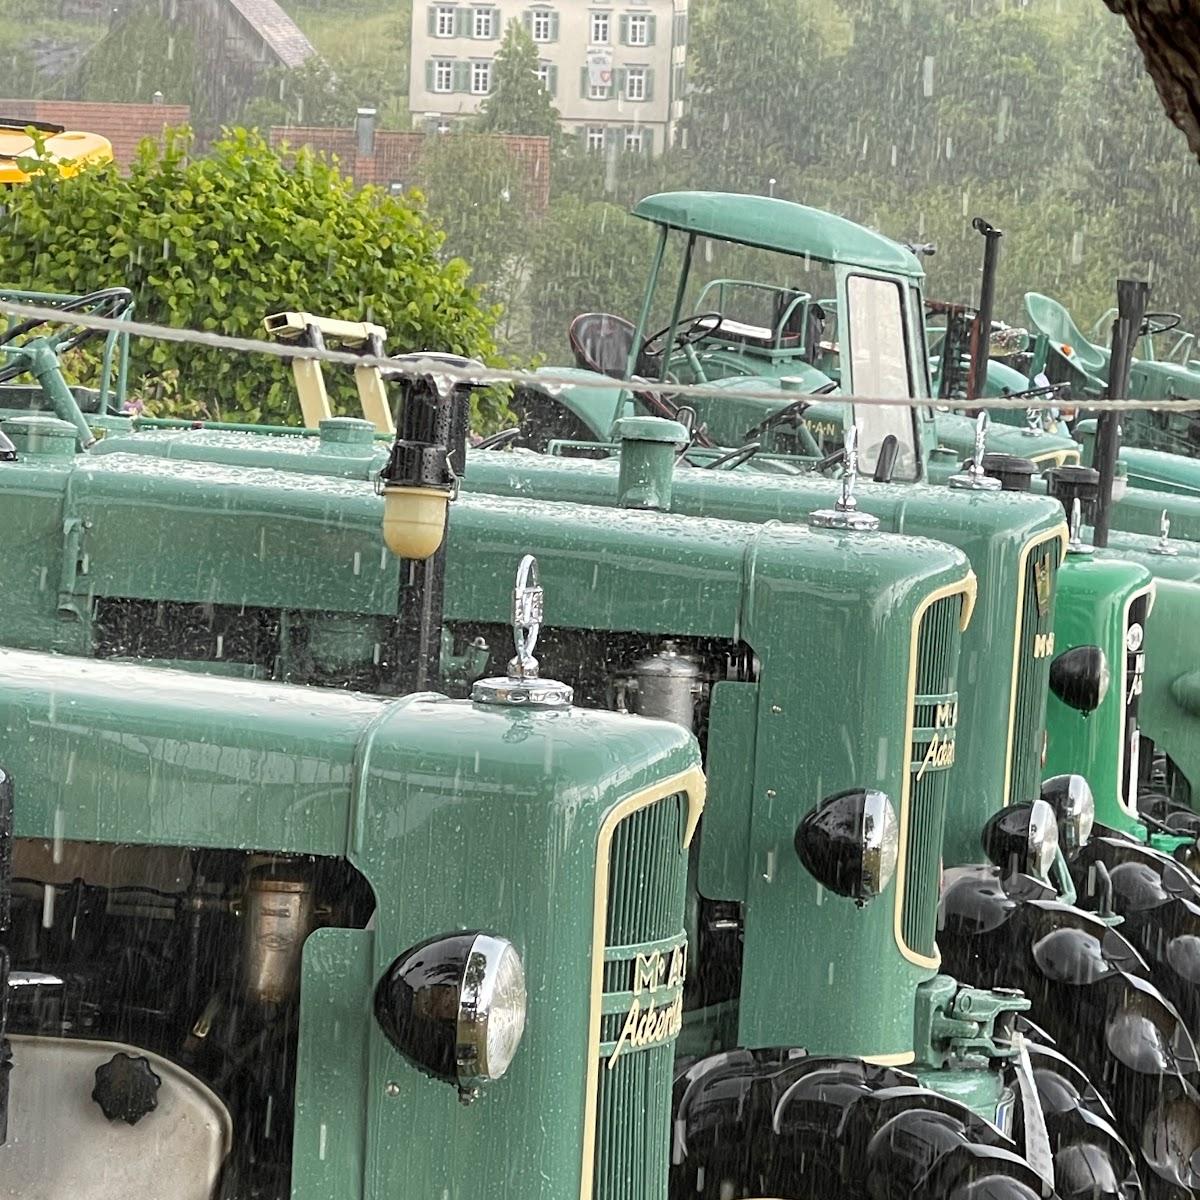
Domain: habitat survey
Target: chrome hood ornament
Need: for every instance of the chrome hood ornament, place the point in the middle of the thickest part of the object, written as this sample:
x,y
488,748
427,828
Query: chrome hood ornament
x,y
845,512
974,478
1163,546
523,687
1076,545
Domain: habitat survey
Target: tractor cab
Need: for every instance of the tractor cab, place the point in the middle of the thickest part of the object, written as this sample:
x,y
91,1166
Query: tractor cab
x,y
753,295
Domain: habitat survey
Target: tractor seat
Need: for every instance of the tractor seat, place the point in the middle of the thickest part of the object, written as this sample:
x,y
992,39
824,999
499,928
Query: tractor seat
x,y
1052,320
601,342
755,335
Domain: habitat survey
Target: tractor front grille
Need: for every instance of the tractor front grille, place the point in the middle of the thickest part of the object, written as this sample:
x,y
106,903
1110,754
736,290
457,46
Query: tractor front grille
x,y
935,715
1035,649
1135,666
644,960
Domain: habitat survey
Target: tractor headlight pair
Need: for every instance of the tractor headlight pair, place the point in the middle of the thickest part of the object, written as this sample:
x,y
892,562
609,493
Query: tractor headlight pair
x,y
850,843
454,1006
1070,796
1022,839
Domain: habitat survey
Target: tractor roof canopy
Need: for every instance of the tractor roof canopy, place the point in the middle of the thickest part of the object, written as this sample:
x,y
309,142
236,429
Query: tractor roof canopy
x,y
779,225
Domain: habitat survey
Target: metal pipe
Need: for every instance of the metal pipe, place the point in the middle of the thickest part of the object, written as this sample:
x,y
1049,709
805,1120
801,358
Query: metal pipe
x,y
981,333
1131,309
677,307
639,331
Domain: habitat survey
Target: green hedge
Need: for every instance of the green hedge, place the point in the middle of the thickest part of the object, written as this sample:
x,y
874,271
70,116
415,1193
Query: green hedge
x,y
217,242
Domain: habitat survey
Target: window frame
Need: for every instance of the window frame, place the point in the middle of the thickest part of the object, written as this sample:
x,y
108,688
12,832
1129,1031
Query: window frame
x,y
640,74
593,18
640,21
483,13
600,142
541,14
633,141
481,64
448,65
447,11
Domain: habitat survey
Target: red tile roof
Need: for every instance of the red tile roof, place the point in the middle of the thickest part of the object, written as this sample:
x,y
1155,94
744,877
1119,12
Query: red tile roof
x,y
125,125
280,33
397,152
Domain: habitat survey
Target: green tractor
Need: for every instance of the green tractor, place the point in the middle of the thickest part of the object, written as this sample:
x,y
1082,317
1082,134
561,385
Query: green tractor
x,y
814,1000
236,965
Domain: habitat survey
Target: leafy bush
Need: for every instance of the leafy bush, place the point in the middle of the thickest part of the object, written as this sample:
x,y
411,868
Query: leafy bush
x,y
218,242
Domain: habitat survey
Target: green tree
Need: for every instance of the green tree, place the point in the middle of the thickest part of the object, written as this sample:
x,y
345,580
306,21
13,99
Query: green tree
x,y
518,102
477,192
217,242
588,256
755,102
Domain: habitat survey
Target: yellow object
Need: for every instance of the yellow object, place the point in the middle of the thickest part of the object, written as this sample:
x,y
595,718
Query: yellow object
x,y
308,374
69,152
414,520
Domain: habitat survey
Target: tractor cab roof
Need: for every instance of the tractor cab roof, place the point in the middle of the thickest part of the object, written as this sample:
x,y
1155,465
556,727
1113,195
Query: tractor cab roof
x,y
779,225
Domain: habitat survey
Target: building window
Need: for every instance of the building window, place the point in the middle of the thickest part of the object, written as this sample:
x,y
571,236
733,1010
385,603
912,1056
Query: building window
x,y
633,139
599,91
635,85
595,138
547,74
481,78
542,24
443,21
639,30
443,75
599,31
483,24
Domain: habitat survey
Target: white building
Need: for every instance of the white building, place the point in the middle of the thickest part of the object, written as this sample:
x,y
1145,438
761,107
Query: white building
x,y
615,71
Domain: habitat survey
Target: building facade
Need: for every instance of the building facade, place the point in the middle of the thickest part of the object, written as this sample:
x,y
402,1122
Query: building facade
x,y
615,71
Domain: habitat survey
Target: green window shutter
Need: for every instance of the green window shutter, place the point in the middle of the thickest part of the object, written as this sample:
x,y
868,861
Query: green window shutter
x,y
624,34
554,27
647,140
429,79
432,20
614,135
650,31
649,84
583,82
552,80
462,76
527,21
617,87
462,22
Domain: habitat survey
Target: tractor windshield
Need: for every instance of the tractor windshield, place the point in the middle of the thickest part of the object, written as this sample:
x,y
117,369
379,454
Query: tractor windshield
x,y
881,368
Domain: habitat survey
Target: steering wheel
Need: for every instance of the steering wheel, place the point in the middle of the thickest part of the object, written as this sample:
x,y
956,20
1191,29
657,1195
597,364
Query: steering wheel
x,y
1154,323
108,302
694,329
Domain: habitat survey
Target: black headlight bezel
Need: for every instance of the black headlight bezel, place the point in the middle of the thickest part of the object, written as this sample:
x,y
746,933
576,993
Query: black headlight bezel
x,y
849,843
1080,677
434,1002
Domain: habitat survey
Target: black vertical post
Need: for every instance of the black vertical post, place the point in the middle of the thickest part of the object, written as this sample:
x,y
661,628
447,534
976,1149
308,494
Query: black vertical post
x,y
430,450
6,835
1131,311
982,333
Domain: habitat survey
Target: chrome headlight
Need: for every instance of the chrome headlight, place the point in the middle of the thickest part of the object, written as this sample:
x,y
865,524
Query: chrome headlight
x,y
1070,796
1079,677
850,842
454,1006
1022,838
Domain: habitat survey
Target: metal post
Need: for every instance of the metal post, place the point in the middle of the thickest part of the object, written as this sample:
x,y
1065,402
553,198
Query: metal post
x,y
6,832
1131,310
680,291
440,422
981,333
